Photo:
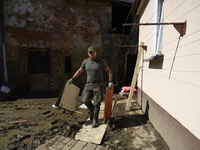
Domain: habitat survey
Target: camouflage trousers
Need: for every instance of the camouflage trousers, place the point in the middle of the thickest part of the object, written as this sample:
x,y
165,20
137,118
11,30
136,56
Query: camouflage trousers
x,y
92,90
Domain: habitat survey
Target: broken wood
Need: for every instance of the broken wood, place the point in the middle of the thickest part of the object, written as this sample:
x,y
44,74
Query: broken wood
x,y
19,121
134,77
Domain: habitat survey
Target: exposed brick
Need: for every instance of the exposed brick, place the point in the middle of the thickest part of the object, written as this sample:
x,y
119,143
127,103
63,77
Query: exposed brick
x,y
61,26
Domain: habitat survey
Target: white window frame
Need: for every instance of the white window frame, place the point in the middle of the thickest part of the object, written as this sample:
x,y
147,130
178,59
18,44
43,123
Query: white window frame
x,y
157,30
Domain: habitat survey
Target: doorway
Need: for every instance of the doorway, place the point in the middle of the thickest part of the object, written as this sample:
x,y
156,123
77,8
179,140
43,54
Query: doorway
x,y
131,61
39,69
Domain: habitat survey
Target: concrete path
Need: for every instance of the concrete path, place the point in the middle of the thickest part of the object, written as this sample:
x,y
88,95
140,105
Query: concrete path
x,y
65,143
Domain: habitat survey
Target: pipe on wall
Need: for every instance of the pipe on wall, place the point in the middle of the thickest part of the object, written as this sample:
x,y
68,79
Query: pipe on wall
x,y
3,42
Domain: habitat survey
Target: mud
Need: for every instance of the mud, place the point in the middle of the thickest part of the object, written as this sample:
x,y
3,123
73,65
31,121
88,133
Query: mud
x,y
133,129
27,123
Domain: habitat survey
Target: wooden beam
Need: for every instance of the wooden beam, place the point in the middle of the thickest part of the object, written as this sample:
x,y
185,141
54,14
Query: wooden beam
x,y
134,77
179,26
144,47
141,7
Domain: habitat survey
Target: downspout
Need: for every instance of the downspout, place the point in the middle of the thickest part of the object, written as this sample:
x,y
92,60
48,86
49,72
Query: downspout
x,y
3,43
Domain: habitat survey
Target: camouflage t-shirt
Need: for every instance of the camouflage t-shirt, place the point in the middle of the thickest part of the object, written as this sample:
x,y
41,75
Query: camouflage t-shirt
x,y
94,69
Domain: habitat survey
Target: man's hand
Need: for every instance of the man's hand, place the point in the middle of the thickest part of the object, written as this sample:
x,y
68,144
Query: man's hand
x,y
110,84
70,80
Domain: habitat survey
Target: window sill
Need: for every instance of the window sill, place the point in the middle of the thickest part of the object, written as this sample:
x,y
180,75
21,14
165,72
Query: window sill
x,y
154,58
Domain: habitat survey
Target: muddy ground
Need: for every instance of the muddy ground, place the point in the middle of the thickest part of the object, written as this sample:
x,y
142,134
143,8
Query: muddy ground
x,y
27,123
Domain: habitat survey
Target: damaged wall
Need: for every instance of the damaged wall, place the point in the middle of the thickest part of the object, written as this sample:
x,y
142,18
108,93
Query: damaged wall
x,y
65,27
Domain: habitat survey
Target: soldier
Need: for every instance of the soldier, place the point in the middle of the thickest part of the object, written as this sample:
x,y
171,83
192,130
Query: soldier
x,y
94,67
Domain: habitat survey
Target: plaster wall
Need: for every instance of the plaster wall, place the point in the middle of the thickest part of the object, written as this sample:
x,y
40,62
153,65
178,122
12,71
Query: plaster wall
x,y
173,83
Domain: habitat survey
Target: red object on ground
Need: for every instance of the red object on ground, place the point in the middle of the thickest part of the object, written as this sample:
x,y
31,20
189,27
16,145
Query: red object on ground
x,y
108,104
126,89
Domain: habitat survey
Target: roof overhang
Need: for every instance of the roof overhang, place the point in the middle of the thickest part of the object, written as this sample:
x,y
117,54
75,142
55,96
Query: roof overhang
x,y
138,5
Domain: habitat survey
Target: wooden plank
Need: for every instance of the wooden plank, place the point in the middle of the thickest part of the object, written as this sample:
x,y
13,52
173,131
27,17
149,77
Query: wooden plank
x,y
60,95
79,145
48,145
90,147
68,97
134,77
108,104
62,143
19,121
69,145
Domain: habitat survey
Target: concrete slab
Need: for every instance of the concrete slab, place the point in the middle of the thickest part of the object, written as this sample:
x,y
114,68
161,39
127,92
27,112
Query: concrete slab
x,y
93,135
102,106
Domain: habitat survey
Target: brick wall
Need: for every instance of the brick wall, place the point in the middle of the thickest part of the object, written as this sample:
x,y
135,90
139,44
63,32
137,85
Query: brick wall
x,y
66,27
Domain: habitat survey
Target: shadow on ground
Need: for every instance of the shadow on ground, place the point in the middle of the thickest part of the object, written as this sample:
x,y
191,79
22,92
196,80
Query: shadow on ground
x,y
34,95
126,121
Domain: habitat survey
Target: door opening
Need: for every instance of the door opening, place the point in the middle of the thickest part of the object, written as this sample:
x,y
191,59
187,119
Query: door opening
x,y
39,69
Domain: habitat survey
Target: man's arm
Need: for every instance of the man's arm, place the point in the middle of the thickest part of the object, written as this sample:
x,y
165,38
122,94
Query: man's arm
x,y
78,73
109,73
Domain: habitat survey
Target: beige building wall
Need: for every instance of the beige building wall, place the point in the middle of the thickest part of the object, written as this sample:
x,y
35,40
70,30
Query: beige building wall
x,y
174,83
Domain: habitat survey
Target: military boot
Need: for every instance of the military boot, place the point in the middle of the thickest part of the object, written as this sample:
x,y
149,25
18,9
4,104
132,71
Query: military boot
x,y
91,114
90,107
95,118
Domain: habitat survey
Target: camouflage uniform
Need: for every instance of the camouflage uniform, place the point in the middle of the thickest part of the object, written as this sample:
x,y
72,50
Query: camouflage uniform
x,y
92,90
93,87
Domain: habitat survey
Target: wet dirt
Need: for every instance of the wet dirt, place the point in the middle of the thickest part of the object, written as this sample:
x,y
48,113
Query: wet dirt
x,y
132,128
27,123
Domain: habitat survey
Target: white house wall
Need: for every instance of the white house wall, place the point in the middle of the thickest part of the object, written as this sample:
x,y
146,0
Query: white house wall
x,y
176,86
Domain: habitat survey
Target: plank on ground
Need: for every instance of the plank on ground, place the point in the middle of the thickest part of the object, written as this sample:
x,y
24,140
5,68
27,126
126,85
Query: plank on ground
x,y
79,145
62,143
48,145
69,145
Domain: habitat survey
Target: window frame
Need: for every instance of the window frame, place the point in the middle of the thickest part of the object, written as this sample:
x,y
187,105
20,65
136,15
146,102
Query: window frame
x,y
157,30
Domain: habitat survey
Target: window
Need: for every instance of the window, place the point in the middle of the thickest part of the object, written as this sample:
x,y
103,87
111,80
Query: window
x,y
157,30
68,64
39,61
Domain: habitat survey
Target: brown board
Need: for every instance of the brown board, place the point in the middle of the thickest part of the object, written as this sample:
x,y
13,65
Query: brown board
x,y
108,104
68,96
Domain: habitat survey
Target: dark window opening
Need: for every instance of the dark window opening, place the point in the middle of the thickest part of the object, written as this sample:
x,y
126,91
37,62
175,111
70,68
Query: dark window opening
x,y
39,61
68,64
119,16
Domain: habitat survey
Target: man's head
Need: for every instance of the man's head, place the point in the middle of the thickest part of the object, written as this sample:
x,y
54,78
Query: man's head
x,y
92,53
